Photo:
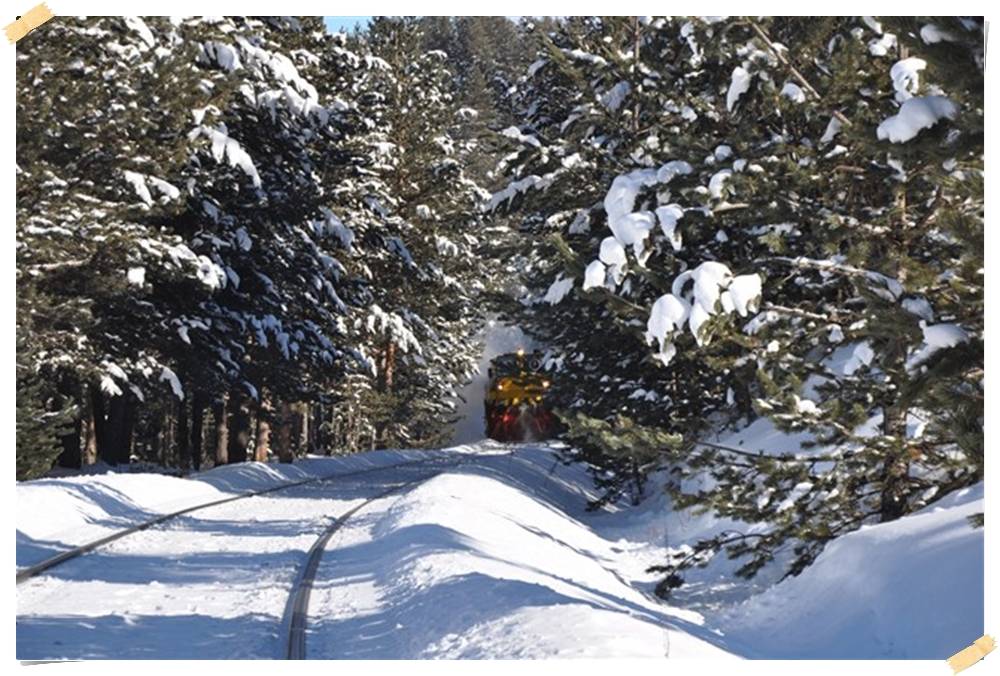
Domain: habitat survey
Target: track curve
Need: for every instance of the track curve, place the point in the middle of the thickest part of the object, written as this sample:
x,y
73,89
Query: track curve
x,y
36,569
296,615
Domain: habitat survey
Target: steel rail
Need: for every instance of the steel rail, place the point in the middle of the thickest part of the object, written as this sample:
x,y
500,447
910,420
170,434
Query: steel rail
x,y
29,572
296,616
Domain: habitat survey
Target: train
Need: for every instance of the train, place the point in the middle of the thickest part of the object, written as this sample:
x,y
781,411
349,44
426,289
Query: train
x,y
516,405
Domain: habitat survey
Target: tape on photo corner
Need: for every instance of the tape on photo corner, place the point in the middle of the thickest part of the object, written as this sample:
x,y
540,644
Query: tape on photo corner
x,y
975,652
28,22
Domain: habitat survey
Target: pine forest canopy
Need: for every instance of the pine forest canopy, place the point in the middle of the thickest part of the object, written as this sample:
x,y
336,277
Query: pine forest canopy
x,y
246,236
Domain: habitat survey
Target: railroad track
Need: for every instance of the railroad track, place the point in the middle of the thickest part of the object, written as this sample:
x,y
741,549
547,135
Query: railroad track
x,y
296,615
29,572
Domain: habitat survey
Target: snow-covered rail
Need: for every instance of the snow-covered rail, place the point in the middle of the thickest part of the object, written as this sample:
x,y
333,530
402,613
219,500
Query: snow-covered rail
x,y
29,572
296,614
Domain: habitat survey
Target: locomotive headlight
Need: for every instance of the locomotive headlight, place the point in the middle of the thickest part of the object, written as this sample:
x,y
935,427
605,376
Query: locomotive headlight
x,y
545,383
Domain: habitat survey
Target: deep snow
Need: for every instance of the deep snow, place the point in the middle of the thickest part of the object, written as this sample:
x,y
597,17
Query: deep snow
x,y
487,558
492,555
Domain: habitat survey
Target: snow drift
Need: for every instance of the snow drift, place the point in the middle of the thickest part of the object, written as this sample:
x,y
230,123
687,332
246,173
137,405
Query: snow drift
x,y
909,589
492,556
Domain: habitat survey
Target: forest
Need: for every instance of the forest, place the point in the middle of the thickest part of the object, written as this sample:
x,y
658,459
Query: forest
x,y
247,238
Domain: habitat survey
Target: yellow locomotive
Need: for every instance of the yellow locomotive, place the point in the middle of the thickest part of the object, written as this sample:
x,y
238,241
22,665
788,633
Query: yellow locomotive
x,y
516,409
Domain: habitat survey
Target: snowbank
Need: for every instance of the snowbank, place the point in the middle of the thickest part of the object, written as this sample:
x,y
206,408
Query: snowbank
x,y
910,589
57,514
494,559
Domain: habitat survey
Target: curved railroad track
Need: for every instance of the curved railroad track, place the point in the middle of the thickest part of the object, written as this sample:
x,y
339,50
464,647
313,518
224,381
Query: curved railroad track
x,y
31,571
296,615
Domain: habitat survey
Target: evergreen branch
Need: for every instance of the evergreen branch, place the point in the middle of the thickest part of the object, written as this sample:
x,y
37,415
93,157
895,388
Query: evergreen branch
x,y
796,312
795,71
783,457
723,208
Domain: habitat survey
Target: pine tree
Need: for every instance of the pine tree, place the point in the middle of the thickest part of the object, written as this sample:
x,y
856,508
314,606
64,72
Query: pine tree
x,y
781,150
198,234
426,310
596,141
44,416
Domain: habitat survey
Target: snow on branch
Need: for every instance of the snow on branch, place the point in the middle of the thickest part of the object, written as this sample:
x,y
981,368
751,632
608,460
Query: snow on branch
x,y
696,296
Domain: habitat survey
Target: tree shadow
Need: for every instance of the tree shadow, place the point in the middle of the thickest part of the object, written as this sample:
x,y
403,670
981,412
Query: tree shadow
x,y
416,617
147,637
123,513
198,568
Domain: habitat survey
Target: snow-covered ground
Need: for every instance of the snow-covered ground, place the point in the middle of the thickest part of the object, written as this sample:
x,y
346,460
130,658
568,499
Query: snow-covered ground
x,y
910,589
489,554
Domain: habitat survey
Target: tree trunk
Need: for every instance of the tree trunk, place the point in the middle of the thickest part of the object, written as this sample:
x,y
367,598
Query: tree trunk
x,y
239,430
636,70
197,423
100,428
326,432
72,443
300,428
72,456
167,446
221,414
637,481
896,469
284,436
263,436
114,443
89,425
183,437
389,370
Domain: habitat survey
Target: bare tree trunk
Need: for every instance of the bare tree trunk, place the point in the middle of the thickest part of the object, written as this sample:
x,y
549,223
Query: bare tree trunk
x,y
197,425
302,445
183,437
239,429
221,414
896,469
284,435
389,366
263,436
89,425
383,420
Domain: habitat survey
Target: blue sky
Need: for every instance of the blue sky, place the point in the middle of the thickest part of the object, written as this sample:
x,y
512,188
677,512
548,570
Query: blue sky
x,y
335,24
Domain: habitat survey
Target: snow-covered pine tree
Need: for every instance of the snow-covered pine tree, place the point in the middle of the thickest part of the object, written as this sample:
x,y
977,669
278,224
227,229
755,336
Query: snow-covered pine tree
x,y
84,122
859,191
427,310
44,416
210,243
786,164
609,182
